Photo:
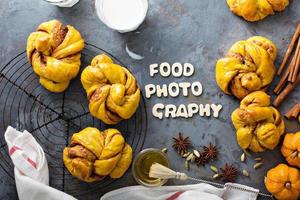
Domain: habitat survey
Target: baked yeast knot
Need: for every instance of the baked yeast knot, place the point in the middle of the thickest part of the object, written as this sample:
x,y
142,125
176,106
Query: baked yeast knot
x,y
247,67
54,52
111,89
254,10
94,154
258,125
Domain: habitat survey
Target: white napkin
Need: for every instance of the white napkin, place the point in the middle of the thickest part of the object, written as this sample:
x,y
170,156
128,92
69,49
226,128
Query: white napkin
x,y
31,168
185,192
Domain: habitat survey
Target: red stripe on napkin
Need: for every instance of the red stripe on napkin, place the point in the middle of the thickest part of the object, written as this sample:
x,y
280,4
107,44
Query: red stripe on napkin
x,y
175,196
16,148
31,162
13,150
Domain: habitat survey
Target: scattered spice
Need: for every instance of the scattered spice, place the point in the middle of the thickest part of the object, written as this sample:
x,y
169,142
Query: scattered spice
x,y
193,159
181,153
215,176
285,92
196,153
181,144
201,160
245,173
190,157
257,165
291,78
294,112
229,173
243,157
187,165
289,50
210,151
214,169
258,159
247,153
164,150
186,154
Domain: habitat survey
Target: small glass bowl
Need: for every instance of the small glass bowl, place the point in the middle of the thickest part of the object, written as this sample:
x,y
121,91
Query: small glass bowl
x,y
142,156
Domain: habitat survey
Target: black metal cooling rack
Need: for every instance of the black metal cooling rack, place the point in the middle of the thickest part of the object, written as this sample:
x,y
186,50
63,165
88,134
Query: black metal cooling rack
x,y
53,118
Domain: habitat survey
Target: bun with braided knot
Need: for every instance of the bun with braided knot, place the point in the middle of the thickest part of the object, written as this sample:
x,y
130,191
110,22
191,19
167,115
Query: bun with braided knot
x,y
247,67
54,53
93,154
259,125
111,89
254,10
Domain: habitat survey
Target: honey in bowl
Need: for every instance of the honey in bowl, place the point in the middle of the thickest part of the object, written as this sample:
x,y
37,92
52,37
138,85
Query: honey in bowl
x,y
142,164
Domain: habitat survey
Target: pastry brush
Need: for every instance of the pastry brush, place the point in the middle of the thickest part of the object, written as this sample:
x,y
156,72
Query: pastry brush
x,y
162,172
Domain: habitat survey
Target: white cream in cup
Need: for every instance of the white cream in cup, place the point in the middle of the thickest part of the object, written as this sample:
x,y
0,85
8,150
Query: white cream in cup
x,y
122,15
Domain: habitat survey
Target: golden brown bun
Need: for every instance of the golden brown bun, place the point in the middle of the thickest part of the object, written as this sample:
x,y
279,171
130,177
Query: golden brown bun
x,y
112,90
258,125
254,10
247,67
93,154
54,53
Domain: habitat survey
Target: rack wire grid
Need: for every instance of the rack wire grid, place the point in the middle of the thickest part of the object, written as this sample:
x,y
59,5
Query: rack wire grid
x,y
52,118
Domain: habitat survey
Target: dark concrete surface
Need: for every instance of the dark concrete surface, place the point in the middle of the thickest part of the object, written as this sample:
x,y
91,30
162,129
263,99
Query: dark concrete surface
x,y
192,31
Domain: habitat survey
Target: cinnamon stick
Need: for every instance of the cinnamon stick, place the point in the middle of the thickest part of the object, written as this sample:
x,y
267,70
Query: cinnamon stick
x,y
296,67
293,69
282,82
289,50
293,112
278,100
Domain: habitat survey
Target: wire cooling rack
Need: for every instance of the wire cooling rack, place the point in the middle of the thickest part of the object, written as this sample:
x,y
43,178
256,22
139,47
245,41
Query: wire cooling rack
x,y
52,118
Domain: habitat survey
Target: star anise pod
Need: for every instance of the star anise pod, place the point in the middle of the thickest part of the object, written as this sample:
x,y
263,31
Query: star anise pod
x,y
201,160
210,151
181,144
229,173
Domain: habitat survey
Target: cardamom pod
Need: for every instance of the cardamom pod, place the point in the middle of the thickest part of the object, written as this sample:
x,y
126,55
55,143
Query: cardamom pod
x,y
258,159
245,173
186,154
257,165
193,159
197,154
182,152
164,150
190,157
216,176
187,165
243,157
214,169
247,153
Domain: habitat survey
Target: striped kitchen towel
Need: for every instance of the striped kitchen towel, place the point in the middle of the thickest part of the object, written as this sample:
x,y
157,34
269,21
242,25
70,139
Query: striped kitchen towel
x,y
31,168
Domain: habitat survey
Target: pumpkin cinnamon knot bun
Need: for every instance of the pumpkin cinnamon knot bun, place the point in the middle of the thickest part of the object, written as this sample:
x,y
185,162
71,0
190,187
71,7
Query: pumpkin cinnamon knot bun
x,y
111,89
54,53
93,154
258,125
247,67
254,10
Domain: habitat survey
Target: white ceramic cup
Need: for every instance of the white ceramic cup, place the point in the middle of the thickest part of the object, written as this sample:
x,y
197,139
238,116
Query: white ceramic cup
x,y
123,16
63,3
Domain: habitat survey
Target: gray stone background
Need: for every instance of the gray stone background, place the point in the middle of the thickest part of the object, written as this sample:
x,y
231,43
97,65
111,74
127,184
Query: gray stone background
x,y
192,31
